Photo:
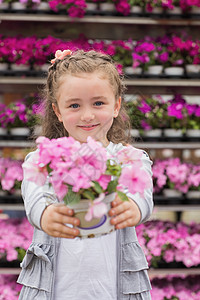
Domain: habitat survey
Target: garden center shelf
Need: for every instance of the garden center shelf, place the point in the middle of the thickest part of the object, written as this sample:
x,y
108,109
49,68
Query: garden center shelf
x,y
130,20
25,84
11,23
152,272
175,208
155,145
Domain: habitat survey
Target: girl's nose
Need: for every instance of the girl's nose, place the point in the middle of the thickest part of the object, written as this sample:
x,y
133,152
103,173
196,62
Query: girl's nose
x,y
87,116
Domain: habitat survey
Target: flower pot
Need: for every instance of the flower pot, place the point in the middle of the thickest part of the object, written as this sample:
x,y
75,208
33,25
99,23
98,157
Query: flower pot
x,y
152,133
192,69
195,10
190,216
175,11
3,131
134,132
91,6
20,131
172,193
21,67
4,6
136,9
18,6
43,6
108,7
129,70
164,215
95,227
193,195
174,71
170,132
3,66
137,71
157,10
155,70
193,133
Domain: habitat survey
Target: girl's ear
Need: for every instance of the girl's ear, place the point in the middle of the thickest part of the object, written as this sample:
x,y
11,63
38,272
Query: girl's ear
x,y
57,112
117,107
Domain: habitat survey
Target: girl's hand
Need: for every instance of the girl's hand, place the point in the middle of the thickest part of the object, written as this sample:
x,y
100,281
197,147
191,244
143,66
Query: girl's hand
x,y
124,213
54,218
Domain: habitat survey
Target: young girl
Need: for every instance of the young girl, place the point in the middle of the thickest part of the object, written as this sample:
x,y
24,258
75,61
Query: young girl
x,y
83,98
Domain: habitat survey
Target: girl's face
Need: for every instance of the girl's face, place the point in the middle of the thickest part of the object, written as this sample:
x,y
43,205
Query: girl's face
x,y
86,105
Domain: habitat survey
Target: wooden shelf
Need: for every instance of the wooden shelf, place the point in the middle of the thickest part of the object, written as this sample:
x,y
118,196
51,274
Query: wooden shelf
x,y
131,20
136,86
176,208
152,145
10,271
12,207
164,272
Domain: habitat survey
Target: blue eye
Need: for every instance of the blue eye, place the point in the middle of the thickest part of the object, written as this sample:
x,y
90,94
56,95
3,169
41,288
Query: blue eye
x,y
75,105
98,103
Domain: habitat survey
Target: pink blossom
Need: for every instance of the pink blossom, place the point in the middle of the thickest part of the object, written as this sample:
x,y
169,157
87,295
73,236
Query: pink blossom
x,y
96,208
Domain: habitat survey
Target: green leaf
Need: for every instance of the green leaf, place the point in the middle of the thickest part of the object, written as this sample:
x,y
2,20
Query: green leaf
x,y
97,187
88,195
71,197
112,186
21,253
122,196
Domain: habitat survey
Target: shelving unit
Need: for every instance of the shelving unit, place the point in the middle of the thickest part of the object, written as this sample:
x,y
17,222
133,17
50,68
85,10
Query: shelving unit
x,y
97,27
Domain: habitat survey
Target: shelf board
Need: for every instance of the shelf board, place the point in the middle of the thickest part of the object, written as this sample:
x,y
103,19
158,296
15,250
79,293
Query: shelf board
x,y
144,145
176,208
130,20
167,145
152,272
10,271
12,207
164,272
137,85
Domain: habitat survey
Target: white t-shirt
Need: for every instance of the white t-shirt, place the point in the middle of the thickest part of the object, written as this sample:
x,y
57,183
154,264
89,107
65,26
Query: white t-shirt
x,y
86,268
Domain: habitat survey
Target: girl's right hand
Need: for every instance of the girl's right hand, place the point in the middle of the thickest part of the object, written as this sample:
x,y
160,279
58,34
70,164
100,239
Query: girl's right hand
x,y
54,220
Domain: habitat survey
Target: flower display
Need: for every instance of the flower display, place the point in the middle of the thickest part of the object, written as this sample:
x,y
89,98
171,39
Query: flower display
x,y
9,288
172,173
11,174
83,171
75,8
15,238
173,287
168,50
25,112
154,112
164,241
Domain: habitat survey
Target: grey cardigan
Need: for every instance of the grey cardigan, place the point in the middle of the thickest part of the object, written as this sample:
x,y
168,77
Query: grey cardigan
x,y
38,265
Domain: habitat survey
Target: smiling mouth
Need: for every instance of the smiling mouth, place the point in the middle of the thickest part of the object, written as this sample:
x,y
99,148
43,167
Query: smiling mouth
x,y
88,127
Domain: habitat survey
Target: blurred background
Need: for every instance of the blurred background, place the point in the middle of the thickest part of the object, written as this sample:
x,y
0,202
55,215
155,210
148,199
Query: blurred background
x,y
156,45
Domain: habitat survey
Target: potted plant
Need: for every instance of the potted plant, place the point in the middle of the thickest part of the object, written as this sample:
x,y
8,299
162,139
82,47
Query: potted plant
x,y
137,6
75,9
88,193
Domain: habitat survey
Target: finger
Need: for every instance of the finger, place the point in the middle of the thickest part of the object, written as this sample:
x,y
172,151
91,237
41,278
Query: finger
x,y
63,209
124,216
61,230
122,206
116,201
59,218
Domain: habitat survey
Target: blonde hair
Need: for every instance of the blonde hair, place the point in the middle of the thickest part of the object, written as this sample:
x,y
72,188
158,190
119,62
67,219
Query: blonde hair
x,y
74,64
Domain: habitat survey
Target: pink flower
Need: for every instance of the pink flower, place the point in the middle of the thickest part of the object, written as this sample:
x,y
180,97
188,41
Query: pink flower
x,y
96,208
129,155
34,172
135,179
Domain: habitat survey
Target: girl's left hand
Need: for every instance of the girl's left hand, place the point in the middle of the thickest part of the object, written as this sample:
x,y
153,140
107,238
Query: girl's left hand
x,y
124,213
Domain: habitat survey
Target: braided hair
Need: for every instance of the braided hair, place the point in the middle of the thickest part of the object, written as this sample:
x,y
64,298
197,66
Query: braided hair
x,y
74,64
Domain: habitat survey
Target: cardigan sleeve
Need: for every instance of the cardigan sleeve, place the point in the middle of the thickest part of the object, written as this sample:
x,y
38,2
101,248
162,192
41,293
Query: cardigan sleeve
x,y
36,198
